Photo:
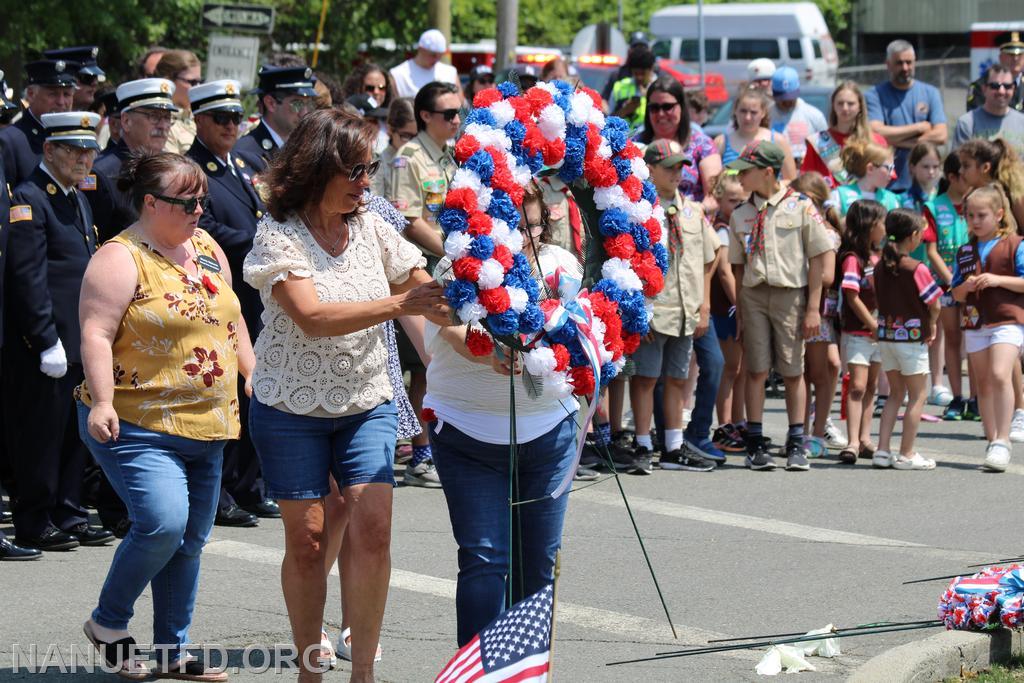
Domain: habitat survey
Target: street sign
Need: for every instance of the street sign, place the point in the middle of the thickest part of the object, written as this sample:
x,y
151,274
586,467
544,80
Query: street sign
x,y
233,57
238,17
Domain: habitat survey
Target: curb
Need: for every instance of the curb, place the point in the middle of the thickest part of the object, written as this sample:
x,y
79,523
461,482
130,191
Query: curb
x,y
946,655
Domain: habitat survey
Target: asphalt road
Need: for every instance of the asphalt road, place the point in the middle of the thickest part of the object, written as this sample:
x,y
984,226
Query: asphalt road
x,y
736,552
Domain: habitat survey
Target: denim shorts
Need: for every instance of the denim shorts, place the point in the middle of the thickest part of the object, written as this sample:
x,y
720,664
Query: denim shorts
x,y
298,453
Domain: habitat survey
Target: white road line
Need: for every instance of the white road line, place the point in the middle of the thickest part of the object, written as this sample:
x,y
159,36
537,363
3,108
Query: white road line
x,y
627,626
764,525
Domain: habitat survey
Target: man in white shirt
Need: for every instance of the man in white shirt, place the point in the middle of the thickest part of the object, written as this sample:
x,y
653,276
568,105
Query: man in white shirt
x,y
791,115
426,66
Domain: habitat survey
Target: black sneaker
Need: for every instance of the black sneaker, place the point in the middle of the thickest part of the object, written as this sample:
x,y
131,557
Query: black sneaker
x,y
796,456
687,461
758,457
591,457
642,461
972,412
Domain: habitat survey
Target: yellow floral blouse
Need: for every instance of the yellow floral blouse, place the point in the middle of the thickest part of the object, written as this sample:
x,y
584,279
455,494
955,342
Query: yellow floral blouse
x,y
175,354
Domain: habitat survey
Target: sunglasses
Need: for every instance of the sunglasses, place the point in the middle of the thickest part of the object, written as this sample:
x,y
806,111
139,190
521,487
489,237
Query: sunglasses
x,y
1000,86
193,82
449,114
663,108
405,137
375,88
358,170
299,104
189,205
223,118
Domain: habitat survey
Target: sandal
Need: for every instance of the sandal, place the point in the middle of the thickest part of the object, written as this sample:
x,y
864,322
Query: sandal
x,y
866,452
120,655
194,671
847,456
344,648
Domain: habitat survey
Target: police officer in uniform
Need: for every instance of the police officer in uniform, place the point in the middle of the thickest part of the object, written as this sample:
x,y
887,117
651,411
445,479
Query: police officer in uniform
x,y
286,95
1011,55
89,75
231,219
51,87
52,238
146,108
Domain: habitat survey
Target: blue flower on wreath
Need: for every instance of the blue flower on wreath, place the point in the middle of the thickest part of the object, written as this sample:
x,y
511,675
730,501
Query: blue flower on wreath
x,y
535,162
640,236
482,247
614,221
503,208
532,318
453,220
623,169
508,89
611,291
660,256
649,192
460,292
516,131
634,312
575,152
577,356
566,335
608,373
482,116
616,131
503,324
482,164
520,267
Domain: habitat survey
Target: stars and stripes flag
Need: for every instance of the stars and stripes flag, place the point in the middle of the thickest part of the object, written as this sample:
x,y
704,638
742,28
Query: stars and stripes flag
x,y
514,648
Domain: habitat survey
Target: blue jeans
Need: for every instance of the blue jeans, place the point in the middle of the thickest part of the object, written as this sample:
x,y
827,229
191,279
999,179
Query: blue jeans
x,y
475,477
170,485
710,363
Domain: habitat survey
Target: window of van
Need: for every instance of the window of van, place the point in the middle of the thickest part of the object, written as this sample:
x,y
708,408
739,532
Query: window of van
x,y
816,44
688,50
795,49
662,49
742,48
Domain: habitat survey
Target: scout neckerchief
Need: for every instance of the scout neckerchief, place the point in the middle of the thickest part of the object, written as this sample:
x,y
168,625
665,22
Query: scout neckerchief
x,y
757,236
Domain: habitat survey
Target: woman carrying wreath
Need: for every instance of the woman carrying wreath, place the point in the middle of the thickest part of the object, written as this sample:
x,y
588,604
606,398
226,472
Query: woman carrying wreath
x,y
468,396
329,272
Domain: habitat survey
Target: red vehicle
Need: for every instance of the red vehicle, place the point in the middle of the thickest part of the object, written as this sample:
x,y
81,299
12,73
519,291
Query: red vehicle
x,y
467,55
595,70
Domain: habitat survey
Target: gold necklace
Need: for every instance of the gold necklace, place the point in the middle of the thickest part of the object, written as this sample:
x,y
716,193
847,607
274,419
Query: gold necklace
x,y
333,249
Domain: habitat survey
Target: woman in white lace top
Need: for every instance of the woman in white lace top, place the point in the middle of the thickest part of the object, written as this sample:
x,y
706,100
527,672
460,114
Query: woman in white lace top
x,y
329,273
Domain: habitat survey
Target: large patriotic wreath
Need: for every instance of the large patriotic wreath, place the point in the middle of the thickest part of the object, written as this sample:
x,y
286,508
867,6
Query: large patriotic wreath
x,y
576,339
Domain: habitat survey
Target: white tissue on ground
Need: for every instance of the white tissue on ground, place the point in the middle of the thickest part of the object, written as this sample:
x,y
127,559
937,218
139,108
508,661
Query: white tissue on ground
x,y
791,658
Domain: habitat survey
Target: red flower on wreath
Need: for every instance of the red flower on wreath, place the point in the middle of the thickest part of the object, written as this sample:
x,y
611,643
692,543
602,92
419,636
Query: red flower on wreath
x,y
502,255
582,380
206,366
495,300
621,246
561,357
467,145
467,268
633,188
479,224
479,343
486,98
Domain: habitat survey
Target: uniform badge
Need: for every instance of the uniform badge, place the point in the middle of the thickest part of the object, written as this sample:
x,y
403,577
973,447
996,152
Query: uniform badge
x,y
211,167
400,204
165,88
21,212
687,212
208,263
399,162
239,163
259,214
914,322
267,144
915,334
229,89
85,122
901,334
247,178
51,188
88,182
791,205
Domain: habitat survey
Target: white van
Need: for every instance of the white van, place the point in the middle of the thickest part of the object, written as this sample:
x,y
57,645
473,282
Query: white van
x,y
788,33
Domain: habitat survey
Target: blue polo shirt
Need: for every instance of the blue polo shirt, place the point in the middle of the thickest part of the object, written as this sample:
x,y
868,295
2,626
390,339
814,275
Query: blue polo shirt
x,y
895,107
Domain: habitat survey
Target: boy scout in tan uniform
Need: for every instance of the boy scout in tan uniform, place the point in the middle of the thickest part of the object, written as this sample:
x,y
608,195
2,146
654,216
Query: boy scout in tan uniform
x,y
778,239
565,222
421,172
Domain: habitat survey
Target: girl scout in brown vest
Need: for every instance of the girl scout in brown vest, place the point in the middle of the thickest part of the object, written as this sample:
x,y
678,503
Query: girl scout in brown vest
x,y
908,308
988,277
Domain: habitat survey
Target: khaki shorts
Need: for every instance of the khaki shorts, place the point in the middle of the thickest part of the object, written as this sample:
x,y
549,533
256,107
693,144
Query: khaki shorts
x,y
773,319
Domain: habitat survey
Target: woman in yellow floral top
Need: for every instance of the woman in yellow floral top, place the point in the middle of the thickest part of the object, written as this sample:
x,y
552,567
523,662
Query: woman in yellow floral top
x,y
163,341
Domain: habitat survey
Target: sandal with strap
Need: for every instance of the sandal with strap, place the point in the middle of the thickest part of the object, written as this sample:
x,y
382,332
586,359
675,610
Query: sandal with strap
x,y
847,456
120,655
194,671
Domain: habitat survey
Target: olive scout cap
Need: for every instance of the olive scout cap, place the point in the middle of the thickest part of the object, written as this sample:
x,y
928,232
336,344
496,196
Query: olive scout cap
x,y
665,153
758,154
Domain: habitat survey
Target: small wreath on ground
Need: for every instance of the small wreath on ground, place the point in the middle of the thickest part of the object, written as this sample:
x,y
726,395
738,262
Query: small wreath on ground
x,y
577,339
991,598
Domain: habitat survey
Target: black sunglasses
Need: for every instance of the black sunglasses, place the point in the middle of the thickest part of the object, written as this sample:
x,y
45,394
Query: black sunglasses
x,y
359,169
449,114
666,107
189,205
193,82
1001,86
223,118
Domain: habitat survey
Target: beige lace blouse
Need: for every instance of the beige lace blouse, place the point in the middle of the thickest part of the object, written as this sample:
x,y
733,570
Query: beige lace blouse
x,y
341,375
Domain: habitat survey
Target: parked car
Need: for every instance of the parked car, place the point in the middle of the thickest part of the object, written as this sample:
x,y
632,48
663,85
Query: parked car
x,y
814,95
788,33
596,70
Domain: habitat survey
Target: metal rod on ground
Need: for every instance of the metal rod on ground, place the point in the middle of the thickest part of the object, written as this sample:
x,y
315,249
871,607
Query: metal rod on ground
x,y
769,643
876,624
989,564
933,578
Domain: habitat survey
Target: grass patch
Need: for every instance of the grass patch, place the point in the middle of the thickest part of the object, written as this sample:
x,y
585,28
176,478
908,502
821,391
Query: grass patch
x,y
1011,672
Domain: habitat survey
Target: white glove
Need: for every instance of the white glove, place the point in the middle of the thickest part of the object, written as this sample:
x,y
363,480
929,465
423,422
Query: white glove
x,y
53,362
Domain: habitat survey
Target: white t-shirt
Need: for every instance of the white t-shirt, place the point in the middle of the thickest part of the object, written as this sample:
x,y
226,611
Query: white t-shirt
x,y
410,76
473,398
799,124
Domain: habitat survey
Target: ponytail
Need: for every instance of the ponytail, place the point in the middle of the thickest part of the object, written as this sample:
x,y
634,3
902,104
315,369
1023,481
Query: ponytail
x,y
147,173
814,186
857,155
1008,170
900,224
951,166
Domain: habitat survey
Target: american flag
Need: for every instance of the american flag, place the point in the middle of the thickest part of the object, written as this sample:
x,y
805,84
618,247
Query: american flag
x,y
514,648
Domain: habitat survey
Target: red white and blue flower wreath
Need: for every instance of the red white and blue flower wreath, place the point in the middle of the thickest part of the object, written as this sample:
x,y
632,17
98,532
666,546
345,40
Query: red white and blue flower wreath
x,y
579,339
991,598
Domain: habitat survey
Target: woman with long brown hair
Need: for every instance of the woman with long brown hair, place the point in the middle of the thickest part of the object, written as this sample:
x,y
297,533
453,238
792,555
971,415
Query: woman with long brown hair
x,y
750,121
847,122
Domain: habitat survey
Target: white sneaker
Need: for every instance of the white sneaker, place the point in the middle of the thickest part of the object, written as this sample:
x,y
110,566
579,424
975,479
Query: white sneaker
x,y
997,456
914,462
345,647
881,459
834,435
327,654
940,396
1017,427
424,475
